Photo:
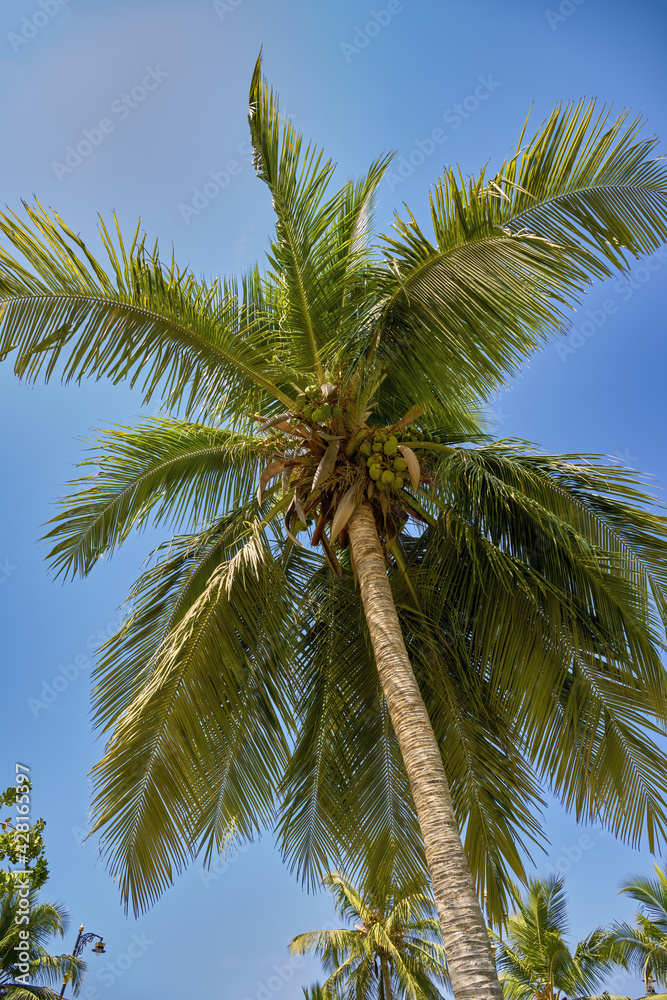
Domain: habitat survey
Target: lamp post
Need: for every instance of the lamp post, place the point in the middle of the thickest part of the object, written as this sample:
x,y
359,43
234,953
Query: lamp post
x,y
81,941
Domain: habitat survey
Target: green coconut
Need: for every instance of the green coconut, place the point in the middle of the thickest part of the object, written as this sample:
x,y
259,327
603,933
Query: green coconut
x,y
377,446
365,448
400,463
375,471
319,415
398,482
388,476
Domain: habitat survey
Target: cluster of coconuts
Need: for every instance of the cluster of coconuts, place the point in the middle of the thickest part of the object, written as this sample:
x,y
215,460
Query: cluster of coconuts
x,y
385,465
317,405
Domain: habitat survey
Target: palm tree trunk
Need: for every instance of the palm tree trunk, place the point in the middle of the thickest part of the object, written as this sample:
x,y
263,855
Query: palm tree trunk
x,y
469,956
386,977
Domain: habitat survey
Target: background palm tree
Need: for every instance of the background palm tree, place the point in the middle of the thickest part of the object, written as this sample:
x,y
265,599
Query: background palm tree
x,y
313,992
534,960
394,949
643,947
46,921
513,629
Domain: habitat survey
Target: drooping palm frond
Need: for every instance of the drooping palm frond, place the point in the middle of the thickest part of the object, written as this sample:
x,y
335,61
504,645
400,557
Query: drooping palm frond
x,y
529,555
201,742
346,761
165,470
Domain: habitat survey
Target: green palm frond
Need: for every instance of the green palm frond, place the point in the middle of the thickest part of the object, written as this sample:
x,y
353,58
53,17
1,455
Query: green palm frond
x,y
165,469
319,247
651,894
346,760
199,347
46,920
198,751
551,589
642,947
509,252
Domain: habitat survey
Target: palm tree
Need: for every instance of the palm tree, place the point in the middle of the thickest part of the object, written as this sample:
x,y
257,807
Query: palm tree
x,y
425,680
534,960
394,949
643,948
313,992
45,921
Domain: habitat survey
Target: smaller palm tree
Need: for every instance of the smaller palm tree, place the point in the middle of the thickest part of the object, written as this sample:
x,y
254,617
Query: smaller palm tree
x,y
45,921
643,947
534,962
313,992
393,950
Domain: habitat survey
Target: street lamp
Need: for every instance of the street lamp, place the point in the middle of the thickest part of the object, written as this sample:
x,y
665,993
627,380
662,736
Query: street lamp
x,y
81,941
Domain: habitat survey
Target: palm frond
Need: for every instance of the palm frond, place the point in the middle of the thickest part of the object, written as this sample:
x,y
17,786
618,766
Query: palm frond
x,y
165,470
197,753
510,252
134,317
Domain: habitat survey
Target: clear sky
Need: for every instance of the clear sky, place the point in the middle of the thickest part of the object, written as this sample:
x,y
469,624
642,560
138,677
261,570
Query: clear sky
x,y
358,77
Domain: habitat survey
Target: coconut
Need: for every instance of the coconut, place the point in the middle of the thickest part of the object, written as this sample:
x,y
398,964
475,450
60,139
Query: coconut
x,y
375,471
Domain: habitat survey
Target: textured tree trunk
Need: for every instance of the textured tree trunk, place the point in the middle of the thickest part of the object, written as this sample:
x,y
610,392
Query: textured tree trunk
x,y
469,955
386,977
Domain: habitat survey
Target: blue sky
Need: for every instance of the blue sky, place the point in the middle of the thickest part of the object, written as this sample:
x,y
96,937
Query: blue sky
x,y
472,70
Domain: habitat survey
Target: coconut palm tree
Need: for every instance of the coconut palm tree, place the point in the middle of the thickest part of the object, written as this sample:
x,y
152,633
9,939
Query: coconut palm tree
x,y
313,992
643,948
534,960
411,685
393,950
46,920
